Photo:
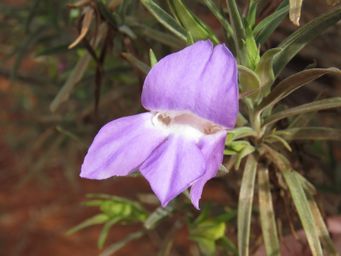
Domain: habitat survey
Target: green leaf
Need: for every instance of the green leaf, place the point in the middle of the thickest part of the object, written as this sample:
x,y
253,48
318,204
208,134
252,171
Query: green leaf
x,y
243,153
123,209
264,29
241,120
275,138
124,29
252,49
304,211
239,33
295,11
95,220
229,246
322,229
69,134
206,233
165,19
210,229
245,205
297,40
238,133
311,133
197,28
220,17
234,147
122,7
143,67
267,215
294,82
308,187
159,36
264,70
305,108
120,244
73,79
248,80
117,207
239,148
301,120
157,216
207,230
104,232
152,58
250,17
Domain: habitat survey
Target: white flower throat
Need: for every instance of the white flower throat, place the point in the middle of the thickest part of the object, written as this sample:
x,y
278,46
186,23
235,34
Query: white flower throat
x,y
186,124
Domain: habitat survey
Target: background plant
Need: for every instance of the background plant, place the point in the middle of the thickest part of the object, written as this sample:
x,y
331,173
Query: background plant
x,y
261,149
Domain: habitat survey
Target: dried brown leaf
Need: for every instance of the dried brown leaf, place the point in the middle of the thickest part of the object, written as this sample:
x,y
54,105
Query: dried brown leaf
x,y
86,22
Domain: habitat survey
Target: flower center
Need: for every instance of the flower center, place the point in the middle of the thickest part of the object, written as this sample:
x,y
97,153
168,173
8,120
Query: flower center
x,y
186,124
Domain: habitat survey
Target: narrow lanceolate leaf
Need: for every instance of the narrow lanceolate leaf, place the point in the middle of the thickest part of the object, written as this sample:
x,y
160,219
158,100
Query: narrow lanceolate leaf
x,y
165,19
238,133
78,72
295,11
264,70
304,211
238,31
95,220
308,187
243,153
157,216
152,57
267,215
197,28
326,241
297,40
250,17
248,79
305,108
245,205
294,82
217,13
272,138
264,29
311,133
143,67
159,36
251,49
120,244
105,231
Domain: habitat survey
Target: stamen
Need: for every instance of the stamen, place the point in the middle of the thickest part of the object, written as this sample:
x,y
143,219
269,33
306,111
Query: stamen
x,y
185,123
212,129
164,118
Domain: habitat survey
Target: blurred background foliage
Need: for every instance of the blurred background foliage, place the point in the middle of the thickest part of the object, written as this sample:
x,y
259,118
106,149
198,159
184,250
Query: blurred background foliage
x,y
69,67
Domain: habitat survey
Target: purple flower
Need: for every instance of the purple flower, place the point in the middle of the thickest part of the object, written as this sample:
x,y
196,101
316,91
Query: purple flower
x,y
192,96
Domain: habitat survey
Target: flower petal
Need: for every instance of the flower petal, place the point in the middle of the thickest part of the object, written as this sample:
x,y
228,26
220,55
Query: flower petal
x,y
121,146
212,147
173,167
201,79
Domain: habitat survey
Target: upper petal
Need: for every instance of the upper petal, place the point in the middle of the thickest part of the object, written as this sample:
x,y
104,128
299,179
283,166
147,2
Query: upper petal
x,y
173,167
121,146
201,79
212,147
